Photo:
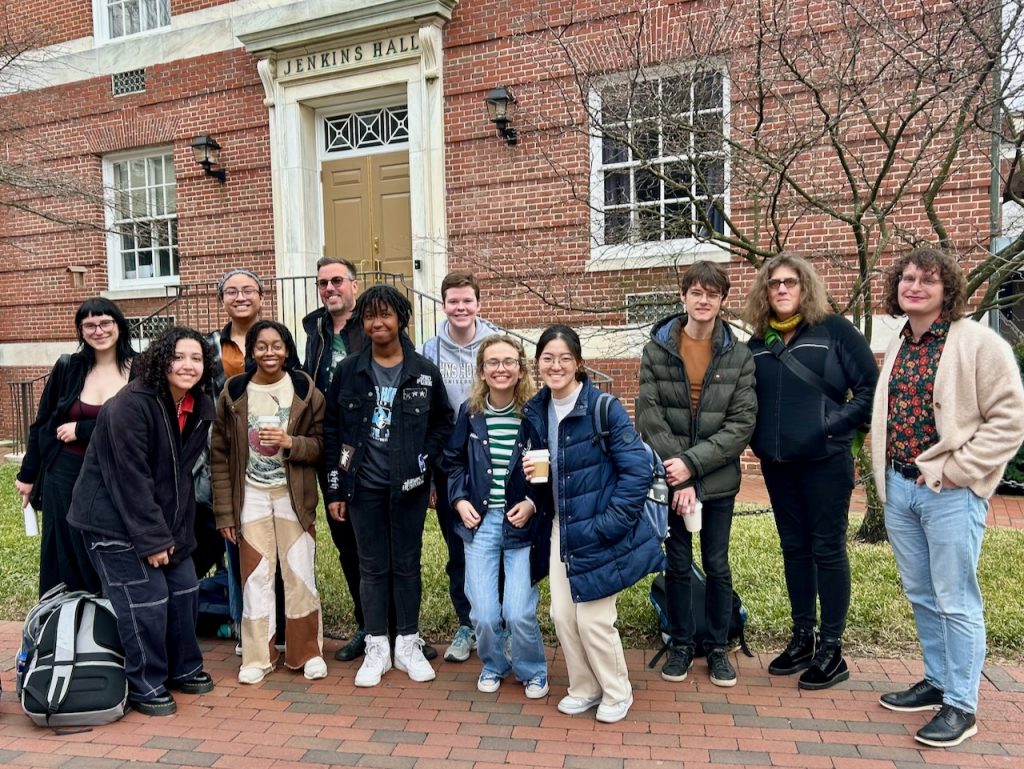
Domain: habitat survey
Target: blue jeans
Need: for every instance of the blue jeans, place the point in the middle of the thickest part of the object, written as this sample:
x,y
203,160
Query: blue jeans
x,y
156,612
518,605
936,539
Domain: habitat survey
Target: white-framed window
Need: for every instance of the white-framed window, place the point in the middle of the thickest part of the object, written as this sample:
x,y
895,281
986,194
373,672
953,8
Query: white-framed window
x,y
120,18
659,163
142,219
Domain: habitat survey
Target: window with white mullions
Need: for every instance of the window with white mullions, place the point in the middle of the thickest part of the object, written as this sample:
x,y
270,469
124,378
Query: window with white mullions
x,y
144,224
660,163
129,17
362,130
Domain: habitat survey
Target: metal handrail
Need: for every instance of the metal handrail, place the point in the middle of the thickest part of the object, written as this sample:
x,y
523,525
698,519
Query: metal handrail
x,y
288,299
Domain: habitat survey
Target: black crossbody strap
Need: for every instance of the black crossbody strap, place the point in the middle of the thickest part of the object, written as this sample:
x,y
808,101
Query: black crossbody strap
x,y
780,351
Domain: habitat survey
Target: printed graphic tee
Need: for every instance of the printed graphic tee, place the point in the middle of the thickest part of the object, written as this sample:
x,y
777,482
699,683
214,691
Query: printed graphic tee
x,y
375,471
265,464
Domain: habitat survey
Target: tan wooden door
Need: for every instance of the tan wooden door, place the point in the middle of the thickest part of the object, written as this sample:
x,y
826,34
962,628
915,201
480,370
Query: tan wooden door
x,y
366,212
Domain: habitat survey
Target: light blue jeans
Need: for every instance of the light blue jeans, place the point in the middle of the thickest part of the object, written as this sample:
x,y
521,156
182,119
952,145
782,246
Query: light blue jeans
x,y
936,539
518,606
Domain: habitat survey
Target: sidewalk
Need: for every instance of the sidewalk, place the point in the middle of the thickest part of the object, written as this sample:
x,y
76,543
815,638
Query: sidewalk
x,y
288,722
764,721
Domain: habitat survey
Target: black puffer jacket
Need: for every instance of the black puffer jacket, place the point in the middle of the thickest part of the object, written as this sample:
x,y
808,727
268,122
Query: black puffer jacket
x,y
796,420
319,330
136,482
710,441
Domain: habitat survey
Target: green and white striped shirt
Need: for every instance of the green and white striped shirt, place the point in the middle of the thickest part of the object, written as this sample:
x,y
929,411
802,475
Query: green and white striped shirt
x,y
502,429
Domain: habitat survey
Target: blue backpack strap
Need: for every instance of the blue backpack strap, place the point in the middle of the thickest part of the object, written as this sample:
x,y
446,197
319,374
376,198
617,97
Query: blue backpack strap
x,y
599,417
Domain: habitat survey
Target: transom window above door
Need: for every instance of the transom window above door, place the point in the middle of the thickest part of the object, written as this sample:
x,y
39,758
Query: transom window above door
x,y
362,130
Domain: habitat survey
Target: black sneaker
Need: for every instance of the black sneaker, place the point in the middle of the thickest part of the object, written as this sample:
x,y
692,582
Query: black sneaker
x,y
920,696
163,705
721,670
948,728
356,647
200,683
797,656
827,668
680,660
429,652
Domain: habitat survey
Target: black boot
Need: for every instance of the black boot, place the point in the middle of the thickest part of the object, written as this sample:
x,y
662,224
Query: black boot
x,y
828,666
797,655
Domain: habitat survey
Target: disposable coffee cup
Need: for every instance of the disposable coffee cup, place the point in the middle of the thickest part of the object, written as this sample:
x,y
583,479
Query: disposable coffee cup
x,y
692,518
268,421
541,459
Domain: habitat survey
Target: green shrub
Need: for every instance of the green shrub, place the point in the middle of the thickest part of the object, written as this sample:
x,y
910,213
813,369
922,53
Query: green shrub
x,y
1015,470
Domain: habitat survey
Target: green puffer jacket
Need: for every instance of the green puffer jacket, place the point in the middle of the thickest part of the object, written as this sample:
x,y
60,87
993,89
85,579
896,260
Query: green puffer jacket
x,y
710,441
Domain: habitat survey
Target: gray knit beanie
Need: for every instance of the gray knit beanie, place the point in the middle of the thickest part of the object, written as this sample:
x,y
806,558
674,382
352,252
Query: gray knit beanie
x,y
237,271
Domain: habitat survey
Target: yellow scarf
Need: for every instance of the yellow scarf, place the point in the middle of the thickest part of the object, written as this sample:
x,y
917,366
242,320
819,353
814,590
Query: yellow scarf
x,y
785,325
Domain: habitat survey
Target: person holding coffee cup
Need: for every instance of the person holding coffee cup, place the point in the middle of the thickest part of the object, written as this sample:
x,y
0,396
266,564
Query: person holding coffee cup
x,y
592,507
697,409
496,523
265,446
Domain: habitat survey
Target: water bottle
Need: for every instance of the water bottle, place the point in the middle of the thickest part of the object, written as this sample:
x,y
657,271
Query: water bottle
x,y
22,668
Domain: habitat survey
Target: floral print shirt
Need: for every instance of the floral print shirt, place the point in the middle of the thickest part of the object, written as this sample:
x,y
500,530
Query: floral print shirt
x,y
911,427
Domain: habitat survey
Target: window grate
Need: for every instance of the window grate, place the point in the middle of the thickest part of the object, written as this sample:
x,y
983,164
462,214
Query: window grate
x,y
360,130
150,327
133,81
645,309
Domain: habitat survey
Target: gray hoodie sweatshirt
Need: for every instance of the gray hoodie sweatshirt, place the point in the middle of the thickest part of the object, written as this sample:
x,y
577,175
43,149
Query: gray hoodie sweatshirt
x,y
457,363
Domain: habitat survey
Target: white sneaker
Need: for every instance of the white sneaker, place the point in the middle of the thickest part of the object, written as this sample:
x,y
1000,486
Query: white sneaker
x,y
573,706
409,658
376,661
314,669
252,674
537,687
610,714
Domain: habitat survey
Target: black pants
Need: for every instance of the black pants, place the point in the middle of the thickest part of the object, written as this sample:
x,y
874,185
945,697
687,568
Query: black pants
x,y
456,566
63,556
811,501
209,542
156,615
344,538
716,526
389,532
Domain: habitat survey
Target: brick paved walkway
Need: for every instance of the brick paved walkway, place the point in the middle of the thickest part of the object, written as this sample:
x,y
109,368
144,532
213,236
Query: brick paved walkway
x,y
447,724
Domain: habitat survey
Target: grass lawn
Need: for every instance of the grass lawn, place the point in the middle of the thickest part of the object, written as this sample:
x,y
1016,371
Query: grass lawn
x,y
880,619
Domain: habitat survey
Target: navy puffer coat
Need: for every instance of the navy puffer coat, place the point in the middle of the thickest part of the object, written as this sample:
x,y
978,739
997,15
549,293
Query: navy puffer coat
x,y
606,544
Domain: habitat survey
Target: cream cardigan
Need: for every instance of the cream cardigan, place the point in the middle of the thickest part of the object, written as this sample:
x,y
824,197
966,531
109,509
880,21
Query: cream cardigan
x,y
979,411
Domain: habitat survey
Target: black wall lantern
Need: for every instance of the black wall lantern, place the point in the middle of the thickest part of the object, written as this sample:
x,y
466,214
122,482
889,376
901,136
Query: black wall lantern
x,y
497,102
207,154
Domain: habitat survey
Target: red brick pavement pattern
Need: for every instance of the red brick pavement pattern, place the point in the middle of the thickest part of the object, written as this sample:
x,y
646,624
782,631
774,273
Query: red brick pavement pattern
x,y
1004,511
288,722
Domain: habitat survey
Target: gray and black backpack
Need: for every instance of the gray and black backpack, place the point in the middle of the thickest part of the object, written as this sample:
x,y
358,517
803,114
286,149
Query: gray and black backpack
x,y
73,661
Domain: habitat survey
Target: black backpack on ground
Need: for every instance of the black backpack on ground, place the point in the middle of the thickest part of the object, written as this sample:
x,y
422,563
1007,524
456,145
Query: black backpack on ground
x,y
74,663
698,588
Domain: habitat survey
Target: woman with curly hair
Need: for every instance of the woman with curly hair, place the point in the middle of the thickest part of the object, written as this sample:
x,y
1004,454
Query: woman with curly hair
x,y
495,518
946,420
815,375
135,505
75,391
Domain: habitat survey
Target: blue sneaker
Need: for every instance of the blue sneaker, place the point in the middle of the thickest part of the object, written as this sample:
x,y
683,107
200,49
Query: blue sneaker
x,y
488,683
462,644
537,687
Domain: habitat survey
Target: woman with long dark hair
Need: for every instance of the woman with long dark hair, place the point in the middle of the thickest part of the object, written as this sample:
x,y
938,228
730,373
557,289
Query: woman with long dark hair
x,y
815,378
75,391
135,504
592,504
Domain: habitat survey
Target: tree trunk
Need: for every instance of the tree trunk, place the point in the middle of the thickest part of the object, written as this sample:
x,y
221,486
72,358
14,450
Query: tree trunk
x,y
872,529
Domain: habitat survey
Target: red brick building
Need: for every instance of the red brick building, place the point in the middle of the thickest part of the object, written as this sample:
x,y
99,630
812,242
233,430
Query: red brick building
x,y
358,128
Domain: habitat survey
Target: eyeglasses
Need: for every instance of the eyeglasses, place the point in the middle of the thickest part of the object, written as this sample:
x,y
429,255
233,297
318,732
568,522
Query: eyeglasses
x,y
101,325
563,360
493,364
928,279
247,291
790,283
697,295
336,282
